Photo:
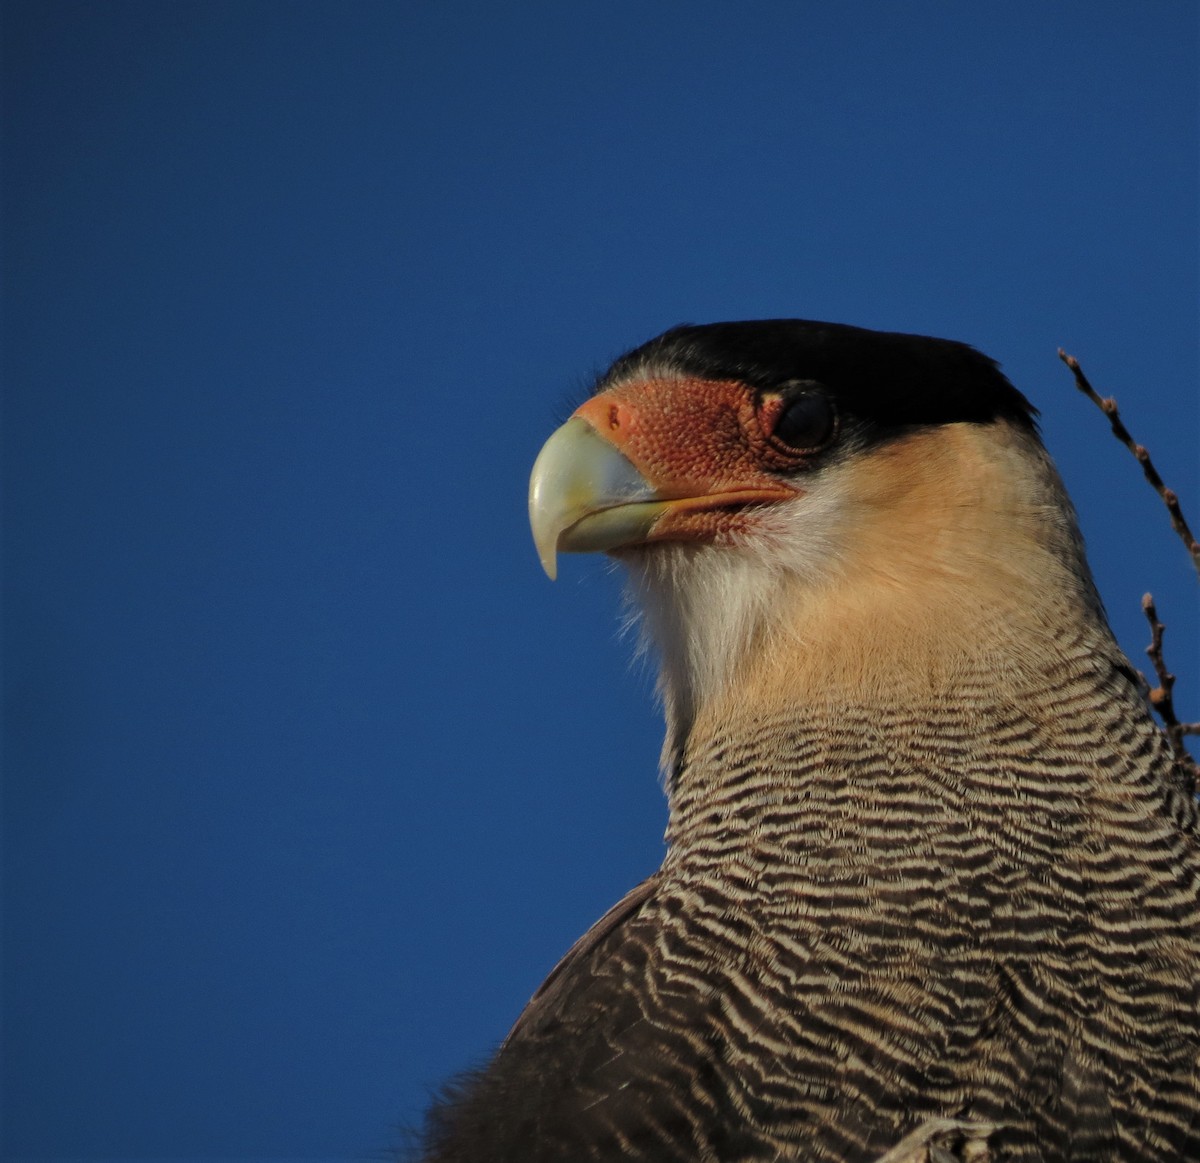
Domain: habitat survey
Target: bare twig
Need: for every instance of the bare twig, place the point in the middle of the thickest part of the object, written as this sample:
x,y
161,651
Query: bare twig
x,y
1109,407
1162,698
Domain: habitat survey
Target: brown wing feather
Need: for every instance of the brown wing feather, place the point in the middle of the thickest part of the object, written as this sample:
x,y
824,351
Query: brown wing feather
x,y
548,994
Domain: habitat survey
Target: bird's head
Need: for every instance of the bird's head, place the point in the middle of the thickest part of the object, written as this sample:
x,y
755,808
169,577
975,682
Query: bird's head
x,y
853,496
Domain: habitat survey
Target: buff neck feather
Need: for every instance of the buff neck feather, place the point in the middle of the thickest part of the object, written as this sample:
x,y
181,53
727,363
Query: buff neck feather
x,y
893,571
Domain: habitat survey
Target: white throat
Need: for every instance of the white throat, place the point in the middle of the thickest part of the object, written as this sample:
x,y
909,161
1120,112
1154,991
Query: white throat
x,y
704,609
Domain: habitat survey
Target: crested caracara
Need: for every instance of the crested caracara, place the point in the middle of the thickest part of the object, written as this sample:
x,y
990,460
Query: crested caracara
x,y
932,887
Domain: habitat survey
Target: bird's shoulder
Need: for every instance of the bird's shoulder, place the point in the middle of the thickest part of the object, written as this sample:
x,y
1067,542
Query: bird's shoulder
x,y
579,960
584,1071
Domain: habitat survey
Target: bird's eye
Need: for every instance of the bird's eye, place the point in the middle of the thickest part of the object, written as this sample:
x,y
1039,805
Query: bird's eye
x,y
807,420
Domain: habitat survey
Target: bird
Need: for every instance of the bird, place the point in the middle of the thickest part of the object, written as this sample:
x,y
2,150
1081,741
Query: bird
x,y
931,889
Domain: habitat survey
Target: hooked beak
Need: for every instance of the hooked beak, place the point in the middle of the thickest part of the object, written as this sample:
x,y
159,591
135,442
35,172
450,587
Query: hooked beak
x,y
585,496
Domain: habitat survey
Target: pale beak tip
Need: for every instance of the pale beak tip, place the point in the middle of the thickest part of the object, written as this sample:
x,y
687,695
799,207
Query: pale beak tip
x,y
584,495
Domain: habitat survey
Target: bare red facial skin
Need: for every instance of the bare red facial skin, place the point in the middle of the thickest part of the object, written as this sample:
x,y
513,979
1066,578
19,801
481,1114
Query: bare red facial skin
x,y
703,444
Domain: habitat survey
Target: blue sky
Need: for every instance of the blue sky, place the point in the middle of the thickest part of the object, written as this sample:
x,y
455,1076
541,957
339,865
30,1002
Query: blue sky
x,y
309,773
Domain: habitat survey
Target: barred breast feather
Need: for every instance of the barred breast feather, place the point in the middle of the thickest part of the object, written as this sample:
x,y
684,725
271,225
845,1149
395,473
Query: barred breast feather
x,y
873,917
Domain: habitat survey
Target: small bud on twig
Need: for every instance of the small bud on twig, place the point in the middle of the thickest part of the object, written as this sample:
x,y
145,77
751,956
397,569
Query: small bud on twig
x,y
1162,698
1169,497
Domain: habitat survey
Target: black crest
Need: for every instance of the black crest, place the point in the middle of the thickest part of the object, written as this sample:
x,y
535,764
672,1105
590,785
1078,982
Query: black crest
x,y
887,378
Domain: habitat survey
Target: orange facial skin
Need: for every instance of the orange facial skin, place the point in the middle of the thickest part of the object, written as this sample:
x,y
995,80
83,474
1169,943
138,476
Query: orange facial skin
x,y
704,445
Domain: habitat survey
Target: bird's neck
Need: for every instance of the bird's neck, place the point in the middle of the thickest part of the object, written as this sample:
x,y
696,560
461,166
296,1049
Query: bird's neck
x,y
951,620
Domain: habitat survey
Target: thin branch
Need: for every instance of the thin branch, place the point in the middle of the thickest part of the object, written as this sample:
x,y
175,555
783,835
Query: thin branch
x,y
1162,698
1169,497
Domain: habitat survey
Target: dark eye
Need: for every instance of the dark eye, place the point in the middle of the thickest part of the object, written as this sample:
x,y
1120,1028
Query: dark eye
x,y
806,421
